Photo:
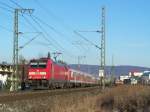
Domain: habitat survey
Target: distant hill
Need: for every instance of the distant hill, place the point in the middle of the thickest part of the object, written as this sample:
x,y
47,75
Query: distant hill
x,y
118,70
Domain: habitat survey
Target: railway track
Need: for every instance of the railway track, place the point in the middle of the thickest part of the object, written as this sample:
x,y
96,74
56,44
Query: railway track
x,y
27,95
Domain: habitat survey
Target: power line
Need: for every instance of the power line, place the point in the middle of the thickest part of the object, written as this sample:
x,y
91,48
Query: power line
x,y
32,19
45,32
6,5
37,30
48,12
42,43
81,44
49,36
36,41
6,28
39,25
16,3
6,9
66,26
69,54
81,36
29,41
62,23
21,15
52,28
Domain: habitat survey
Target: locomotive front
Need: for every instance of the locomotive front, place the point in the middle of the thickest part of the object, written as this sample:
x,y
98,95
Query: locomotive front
x,y
39,73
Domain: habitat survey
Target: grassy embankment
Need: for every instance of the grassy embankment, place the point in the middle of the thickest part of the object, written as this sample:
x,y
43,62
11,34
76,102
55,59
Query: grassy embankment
x,y
134,98
117,99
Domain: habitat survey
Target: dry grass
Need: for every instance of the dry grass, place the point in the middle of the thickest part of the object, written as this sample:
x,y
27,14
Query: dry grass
x,y
77,102
117,99
125,99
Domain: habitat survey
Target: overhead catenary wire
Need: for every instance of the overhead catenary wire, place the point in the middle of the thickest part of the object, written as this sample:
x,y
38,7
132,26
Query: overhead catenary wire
x,y
33,26
66,26
16,3
38,42
43,29
37,30
70,54
34,18
42,43
45,35
56,31
11,11
81,36
3,27
8,10
48,12
19,14
29,41
2,3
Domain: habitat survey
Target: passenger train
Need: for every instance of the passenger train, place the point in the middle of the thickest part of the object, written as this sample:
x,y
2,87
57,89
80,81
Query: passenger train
x,y
45,73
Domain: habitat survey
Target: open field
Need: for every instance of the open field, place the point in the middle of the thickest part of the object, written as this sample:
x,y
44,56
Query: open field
x,y
73,102
129,98
116,99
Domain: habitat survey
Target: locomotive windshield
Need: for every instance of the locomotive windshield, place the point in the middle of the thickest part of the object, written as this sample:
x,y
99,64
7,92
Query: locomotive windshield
x,y
33,64
38,64
42,64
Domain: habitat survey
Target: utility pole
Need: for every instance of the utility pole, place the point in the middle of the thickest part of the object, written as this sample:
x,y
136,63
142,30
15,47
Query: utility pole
x,y
102,53
102,74
14,78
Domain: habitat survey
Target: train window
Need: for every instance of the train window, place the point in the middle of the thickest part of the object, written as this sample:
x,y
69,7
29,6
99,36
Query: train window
x,y
42,64
33,64
38,64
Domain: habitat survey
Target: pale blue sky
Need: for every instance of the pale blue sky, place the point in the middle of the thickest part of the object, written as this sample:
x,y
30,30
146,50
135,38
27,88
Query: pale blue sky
x,y
127,30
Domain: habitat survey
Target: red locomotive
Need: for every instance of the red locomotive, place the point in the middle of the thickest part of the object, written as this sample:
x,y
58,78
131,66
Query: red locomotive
x,y
45,73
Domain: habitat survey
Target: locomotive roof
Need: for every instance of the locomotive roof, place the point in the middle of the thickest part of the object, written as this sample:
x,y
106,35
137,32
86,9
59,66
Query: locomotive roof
x,y
46,59
40,59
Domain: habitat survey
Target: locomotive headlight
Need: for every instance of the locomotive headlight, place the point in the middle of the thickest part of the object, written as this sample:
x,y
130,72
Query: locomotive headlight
x,y
31,73
30,77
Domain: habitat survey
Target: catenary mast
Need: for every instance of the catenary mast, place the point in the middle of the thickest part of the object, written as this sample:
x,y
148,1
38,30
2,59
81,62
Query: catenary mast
x,y
14,78
102,53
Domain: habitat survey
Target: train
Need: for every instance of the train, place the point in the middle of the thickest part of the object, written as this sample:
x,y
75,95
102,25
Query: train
x,y
49,74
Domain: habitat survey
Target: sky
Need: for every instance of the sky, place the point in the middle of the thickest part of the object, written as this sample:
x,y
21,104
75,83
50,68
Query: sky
x,y
127,30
